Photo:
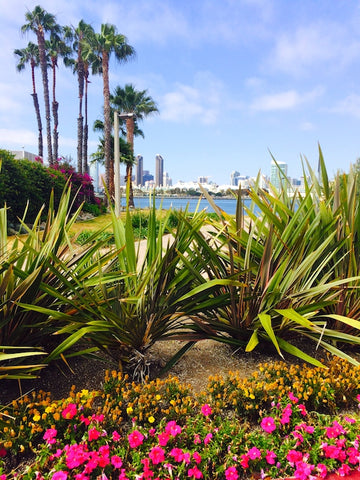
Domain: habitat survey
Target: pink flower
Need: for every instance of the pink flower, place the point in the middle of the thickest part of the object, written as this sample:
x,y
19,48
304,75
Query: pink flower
x,y
321,468
115,436
3,477
135,439
172,428
332,451
353,455
335,430
104,459
197,439
270,457
163,438
197,457
195,472
50,435
177,454
302,409
254,453
244,462
206,410
344,470
186,457
94,434
60,475
76,455
349,420
293,398
70,411
294,456
157,455
303,470
231,473
208,438
81,476
268,424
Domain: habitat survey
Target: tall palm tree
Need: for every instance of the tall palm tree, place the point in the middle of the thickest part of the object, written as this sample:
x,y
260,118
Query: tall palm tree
x,y
103,44
40,22
30,54
141,105
56,47
127,156
76,36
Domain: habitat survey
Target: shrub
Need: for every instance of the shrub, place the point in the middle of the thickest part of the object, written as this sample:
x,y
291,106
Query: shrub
x,y
23,182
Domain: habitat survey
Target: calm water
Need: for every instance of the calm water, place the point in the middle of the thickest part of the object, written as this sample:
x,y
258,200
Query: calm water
x,y
227,204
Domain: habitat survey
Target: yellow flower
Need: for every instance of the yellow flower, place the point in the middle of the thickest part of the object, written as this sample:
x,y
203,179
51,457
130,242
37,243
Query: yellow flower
x,y
151,419
129,410
158,397
36,417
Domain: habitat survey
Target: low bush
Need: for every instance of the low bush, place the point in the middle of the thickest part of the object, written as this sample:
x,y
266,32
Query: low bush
x,y
324,389
161,430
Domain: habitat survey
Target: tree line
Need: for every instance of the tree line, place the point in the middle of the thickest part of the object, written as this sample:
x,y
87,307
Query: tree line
x,y
85,52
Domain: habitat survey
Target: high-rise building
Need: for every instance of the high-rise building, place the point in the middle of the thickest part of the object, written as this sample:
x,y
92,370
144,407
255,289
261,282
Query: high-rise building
x,y
278,174
167,181
234,178
159,170
139,171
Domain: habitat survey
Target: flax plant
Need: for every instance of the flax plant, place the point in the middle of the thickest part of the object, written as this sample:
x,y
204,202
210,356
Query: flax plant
x,y
141,305
39,274
273,276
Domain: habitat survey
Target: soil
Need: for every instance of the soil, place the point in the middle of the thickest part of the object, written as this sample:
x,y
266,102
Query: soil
x,y
204,359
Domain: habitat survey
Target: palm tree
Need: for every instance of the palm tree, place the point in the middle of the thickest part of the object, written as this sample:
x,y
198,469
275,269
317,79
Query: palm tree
x,y
30,54
103,44
56,47
39,22
141,105
77,36
125,149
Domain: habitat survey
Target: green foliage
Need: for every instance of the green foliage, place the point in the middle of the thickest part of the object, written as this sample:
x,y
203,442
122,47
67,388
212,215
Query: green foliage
x,y
289,272
40,274
27,186
141,305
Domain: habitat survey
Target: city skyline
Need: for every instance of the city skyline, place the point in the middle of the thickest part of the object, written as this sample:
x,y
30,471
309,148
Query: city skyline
x,y
234,83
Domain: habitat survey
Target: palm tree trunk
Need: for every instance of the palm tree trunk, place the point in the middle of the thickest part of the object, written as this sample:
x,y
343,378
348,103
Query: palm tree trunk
x,y
37,111
38,117
130,141
80,132
55,108
109,162
86,128
79,143
43,65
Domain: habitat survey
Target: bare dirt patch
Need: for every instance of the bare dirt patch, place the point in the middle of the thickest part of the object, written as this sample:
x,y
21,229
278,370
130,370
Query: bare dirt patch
x,y
206,358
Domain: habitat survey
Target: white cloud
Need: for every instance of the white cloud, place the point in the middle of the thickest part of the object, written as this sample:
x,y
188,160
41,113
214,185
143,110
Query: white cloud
x,y
307,126
311,45
200,101
348,106
10,137
284,101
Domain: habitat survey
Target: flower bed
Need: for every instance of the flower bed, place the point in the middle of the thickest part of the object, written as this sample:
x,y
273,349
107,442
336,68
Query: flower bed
x,y
159,430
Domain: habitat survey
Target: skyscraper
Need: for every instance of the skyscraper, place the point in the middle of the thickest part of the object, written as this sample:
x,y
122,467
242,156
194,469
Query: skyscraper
x,y
159,170
139,171
278,174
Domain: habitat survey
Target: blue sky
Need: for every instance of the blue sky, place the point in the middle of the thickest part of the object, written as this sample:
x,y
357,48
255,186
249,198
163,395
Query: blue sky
x,y
233,79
